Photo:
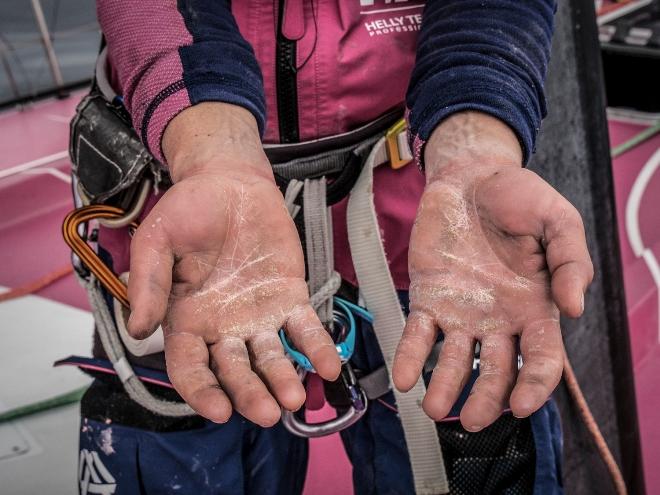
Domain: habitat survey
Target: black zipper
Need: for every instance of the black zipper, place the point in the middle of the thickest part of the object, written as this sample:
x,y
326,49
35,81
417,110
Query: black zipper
x,y
286,84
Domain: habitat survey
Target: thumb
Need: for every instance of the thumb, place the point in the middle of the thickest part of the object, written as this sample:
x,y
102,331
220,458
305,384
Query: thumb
x,y
538,209
568,257
150,280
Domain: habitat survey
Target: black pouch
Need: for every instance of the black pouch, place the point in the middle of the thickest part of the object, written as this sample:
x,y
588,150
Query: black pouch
x,y
107,155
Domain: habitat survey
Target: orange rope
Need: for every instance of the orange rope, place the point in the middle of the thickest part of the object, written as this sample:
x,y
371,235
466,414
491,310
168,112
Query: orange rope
x,y
592,427
36,285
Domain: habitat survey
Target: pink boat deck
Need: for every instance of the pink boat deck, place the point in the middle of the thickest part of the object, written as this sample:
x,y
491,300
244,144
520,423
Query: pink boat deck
x,y
637,178
35,196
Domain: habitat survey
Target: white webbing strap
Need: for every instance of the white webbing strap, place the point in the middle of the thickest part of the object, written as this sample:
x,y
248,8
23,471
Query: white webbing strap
x,y
377,289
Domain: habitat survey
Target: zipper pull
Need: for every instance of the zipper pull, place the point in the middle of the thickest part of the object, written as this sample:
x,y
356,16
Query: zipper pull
x,y
293,19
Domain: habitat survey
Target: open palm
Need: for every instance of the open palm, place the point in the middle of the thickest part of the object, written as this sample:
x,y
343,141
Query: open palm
x,y
493,258
219,262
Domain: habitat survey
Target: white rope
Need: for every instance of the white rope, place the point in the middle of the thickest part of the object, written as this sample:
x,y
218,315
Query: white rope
x,y
326,291
113,348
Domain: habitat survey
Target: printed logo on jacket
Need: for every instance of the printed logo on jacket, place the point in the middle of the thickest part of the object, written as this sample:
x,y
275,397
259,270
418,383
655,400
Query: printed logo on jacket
x,y
391,16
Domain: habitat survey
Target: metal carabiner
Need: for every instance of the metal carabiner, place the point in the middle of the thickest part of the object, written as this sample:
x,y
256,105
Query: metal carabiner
x,y
356,397
90,259
359,405
108,216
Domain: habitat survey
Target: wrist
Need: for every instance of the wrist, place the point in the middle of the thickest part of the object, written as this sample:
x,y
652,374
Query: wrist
x,y
469,142
214,138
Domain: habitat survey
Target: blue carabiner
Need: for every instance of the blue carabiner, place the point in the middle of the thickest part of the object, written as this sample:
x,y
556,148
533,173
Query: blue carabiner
x,y
344,348
358,310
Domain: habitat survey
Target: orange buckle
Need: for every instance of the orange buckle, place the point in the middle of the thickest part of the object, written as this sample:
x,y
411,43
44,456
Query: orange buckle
x,y
86,254
394,142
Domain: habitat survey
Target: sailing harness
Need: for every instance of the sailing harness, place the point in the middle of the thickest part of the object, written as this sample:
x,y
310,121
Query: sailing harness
x,y
113,176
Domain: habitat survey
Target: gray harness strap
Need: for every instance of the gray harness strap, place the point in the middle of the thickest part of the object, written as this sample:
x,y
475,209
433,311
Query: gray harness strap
x,y
377,383
318,240
377,289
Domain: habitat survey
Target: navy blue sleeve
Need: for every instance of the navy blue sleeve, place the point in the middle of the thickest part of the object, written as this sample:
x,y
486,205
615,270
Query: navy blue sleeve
x,y
219,64
484,55
170,54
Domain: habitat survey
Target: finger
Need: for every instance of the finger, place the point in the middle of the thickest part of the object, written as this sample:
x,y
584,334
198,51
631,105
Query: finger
x,y
450,374
568,257
187,359
490,392
542,351
150,279
414,347
272,365
248,394
308,335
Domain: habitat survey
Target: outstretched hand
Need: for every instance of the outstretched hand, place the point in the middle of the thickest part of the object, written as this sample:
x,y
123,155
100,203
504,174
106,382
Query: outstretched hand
x,y
496,253
219,262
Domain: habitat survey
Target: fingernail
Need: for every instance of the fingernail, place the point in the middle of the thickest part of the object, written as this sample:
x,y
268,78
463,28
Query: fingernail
x,y
476,428
582,302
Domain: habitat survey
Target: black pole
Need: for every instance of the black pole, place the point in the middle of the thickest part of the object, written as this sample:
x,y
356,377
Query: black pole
x,y
573,155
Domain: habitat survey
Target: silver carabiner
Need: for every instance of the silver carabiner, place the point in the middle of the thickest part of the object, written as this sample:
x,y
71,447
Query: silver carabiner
x,y
301,428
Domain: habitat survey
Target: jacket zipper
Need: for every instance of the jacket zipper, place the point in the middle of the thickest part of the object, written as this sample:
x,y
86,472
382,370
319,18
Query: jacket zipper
x,y
286,84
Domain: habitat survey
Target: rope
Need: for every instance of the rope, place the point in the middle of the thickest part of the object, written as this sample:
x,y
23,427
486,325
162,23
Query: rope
x,y
592,427
326,291
115,351
36,285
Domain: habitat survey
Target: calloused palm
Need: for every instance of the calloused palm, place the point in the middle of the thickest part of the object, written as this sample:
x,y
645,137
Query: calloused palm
x,y
493,259
219,262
